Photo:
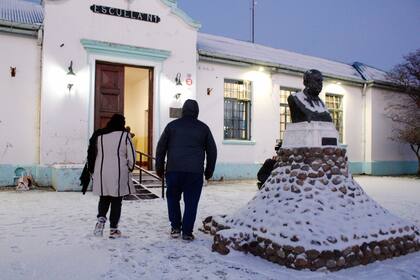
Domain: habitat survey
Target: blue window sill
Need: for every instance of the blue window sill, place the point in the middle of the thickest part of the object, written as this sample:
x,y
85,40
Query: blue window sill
x,y
238,142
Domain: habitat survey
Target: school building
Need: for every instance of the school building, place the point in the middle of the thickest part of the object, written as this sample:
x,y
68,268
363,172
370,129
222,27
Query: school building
x,y
67,66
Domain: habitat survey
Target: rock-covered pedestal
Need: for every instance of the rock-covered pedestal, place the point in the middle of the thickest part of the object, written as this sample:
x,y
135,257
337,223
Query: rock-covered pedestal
x,y
311,214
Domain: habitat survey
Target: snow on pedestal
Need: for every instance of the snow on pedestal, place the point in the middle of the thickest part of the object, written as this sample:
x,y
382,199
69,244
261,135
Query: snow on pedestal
x,y
311,214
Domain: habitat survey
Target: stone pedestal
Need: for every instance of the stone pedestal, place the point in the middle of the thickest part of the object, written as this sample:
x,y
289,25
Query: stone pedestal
x,y
311,214
311,134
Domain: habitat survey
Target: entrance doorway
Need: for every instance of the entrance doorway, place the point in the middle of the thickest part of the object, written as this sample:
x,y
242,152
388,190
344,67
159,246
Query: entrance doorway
x,y
127,90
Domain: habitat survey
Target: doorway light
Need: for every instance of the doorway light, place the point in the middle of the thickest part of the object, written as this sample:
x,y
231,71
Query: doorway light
x,y
178,79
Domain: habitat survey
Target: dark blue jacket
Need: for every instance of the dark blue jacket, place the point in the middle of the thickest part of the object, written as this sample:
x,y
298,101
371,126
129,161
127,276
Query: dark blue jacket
x,y
185,142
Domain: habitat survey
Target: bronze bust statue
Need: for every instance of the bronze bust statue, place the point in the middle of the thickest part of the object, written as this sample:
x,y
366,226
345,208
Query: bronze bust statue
x,y
306,106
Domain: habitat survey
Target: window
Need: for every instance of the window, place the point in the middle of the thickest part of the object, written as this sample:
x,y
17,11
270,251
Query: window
x,y
284,109
237,96
334,104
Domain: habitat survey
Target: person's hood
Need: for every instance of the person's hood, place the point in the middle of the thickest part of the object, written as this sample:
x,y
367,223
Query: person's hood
x,y
190,109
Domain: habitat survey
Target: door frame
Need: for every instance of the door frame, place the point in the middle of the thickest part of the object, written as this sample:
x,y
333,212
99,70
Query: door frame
x,y
150,101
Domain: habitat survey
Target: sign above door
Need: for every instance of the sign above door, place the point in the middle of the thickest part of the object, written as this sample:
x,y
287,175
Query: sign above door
x,y
124,13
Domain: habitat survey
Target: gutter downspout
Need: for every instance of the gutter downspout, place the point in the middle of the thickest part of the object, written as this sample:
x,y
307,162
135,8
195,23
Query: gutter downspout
x,y
364,126
41,53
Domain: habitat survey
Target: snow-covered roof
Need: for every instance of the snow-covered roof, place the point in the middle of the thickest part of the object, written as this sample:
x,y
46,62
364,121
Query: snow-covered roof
x,y
227,48
19,11
23,12
370,73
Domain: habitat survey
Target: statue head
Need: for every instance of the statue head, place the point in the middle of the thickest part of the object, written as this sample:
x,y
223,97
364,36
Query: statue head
x,y
312,79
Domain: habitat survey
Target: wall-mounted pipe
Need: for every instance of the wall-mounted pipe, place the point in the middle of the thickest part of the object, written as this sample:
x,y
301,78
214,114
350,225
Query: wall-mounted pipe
x,y
20,28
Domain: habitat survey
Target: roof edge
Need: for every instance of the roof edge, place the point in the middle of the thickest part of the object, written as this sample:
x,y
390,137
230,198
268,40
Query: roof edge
x,y
20,25
20,28
239,61
180,13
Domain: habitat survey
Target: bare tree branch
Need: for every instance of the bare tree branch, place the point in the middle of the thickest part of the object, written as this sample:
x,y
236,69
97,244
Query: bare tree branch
x,y
405,112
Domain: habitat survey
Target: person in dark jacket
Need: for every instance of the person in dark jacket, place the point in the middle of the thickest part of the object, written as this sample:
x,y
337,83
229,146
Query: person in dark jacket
x,y
267,167
185,142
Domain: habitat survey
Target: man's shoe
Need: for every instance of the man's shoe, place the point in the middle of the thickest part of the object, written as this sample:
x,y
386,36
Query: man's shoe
x,y
114,233
175,233
188,237
99,227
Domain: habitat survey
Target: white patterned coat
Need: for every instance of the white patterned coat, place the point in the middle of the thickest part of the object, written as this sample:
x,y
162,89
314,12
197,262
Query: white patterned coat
x,y
114,163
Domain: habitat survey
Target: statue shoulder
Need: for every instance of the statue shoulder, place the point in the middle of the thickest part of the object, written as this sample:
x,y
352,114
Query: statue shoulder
x,y
293,96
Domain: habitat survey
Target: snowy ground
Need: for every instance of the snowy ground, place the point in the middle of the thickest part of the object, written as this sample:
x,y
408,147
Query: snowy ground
x,y
47,235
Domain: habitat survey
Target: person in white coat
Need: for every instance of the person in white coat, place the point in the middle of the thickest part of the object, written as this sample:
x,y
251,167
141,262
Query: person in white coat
x,y
111,159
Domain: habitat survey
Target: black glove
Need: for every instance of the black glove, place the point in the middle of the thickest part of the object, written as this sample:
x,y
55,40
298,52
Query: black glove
x,y
85,179
208,176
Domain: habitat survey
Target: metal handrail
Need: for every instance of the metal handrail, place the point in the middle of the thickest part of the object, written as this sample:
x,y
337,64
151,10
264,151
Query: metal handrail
x,y
146,155
141,169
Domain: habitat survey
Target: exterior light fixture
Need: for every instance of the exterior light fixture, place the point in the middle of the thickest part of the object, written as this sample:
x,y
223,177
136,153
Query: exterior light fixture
x,y
178,79
13,71
71,76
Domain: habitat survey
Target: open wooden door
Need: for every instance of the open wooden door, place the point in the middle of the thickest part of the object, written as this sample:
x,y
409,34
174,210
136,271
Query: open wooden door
x,y
109,92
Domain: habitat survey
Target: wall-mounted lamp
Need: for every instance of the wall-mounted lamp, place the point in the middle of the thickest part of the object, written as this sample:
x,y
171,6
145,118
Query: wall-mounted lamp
x,y
71,76
178,79
12,71
177,96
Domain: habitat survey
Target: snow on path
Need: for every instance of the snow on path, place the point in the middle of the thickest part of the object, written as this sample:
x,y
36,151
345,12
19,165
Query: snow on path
x,y
47,235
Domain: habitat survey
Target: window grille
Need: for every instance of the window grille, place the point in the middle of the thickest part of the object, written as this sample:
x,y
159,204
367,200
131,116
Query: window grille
x,y
284,109
237,99
334,104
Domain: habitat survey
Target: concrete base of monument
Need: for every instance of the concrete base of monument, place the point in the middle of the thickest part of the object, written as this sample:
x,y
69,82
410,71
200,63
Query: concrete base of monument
x,y
313,134
311,214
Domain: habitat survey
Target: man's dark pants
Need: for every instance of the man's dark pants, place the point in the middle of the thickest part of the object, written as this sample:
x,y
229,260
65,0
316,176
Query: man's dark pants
x,y
189,184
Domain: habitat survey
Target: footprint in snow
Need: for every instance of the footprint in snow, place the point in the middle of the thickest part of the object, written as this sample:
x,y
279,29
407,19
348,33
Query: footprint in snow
x,y
16,249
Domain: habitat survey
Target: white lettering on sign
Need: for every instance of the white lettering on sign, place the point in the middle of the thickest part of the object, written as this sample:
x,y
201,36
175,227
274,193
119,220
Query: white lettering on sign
x,y
124,13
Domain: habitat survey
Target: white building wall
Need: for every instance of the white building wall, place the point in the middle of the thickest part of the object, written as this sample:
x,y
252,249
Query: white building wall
x,y
67,118
352,116
383,147
19,99
265,118
264,112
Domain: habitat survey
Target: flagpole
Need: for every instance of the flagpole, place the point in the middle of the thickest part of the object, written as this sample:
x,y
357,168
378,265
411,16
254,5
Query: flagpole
x,y
253,22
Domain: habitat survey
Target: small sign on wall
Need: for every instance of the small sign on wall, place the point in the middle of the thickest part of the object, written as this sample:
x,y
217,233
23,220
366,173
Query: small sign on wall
x,y
189,81
110,11
175,113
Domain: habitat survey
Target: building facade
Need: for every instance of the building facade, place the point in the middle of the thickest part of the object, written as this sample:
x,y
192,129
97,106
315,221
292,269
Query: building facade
x,y
143,59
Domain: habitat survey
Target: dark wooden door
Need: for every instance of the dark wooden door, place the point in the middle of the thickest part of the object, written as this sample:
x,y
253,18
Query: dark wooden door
x,y
109,92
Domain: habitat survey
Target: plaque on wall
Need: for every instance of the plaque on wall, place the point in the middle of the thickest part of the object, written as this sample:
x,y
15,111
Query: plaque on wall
x,y
175,113
327,141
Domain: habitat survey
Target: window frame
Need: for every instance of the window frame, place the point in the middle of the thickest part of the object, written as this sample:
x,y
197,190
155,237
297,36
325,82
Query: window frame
x,y
286,110
244,96
334,111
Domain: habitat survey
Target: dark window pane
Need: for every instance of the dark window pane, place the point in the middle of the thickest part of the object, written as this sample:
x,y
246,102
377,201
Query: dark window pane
x,y
236,112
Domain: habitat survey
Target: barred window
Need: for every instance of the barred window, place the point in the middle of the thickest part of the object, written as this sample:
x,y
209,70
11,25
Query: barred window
x,y
237,97
284,109
334,104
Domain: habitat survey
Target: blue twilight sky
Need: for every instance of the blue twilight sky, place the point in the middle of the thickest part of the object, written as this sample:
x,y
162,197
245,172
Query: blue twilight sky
x,y
376,32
